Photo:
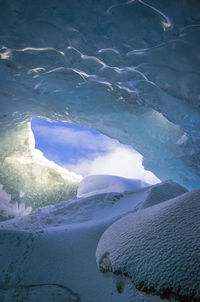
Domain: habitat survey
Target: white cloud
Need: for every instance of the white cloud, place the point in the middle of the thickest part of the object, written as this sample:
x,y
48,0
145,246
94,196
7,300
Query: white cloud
x,y
121,161
105,156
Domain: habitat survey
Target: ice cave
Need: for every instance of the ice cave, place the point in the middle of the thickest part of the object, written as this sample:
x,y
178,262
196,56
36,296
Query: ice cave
x,y
130,70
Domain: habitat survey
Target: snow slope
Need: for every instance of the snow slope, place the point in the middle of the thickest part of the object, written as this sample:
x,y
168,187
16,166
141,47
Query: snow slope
x,y
97,184
157,248
50,254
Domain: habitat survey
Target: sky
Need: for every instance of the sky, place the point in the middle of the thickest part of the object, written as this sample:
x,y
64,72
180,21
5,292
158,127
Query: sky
x,y
85,151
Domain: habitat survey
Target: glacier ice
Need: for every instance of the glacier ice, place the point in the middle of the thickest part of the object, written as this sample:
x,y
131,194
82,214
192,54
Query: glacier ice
x,y
157,249
128,69
10,210
31,179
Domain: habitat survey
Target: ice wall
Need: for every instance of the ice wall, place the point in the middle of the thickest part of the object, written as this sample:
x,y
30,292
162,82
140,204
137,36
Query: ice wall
x,y
126,68
30,178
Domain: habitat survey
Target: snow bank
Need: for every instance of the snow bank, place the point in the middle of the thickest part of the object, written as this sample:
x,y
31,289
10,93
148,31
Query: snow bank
x,y
97,184
50,254
161,192
157,248
101,207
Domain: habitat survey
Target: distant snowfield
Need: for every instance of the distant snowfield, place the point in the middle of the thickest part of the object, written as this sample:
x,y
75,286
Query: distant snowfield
x,y
98,184
49,255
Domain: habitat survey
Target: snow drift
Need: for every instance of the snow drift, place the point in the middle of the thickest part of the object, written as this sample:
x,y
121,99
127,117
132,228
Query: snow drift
x,y
157,249
97,184
51,252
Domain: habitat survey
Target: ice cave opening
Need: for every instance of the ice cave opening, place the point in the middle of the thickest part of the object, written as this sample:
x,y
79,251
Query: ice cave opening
x,y
85,151
128,69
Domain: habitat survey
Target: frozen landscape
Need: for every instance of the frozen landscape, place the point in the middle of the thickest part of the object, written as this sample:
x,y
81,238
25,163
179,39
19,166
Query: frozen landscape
x,y
49,255
130,70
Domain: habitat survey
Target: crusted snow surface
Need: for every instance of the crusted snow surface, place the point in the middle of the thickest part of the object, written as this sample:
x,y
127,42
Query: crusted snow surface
x,y
153,298
100,207
157,248
53,250
40,293
162,192
97,184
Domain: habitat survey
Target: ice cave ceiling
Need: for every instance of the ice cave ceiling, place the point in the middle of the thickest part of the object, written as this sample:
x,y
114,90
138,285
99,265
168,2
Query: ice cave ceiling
x,y
129,69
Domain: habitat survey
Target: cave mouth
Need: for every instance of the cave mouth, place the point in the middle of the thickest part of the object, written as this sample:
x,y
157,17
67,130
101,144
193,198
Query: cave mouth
x,y
85,151
52,158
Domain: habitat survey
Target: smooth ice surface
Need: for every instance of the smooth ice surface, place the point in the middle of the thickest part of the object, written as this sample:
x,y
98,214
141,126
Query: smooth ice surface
x,y
97,184
126,68
51,252
157,248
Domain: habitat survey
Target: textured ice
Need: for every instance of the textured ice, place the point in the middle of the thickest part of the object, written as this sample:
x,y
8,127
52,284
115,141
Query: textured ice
x,y
126,68
130,70
53,249
157,248
9,210
33,180
97,184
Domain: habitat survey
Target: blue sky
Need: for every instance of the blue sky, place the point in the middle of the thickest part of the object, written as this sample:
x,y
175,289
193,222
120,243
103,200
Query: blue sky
x,y
67,143
85,151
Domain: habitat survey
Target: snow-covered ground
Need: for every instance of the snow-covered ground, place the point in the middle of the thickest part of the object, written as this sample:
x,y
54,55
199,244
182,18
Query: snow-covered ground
x,y
97,184
49,255
157,249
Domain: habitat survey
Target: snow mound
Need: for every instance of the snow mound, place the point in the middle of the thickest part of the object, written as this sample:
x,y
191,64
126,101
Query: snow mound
x,y
161,192
53,249
98,184
100,207
157,249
